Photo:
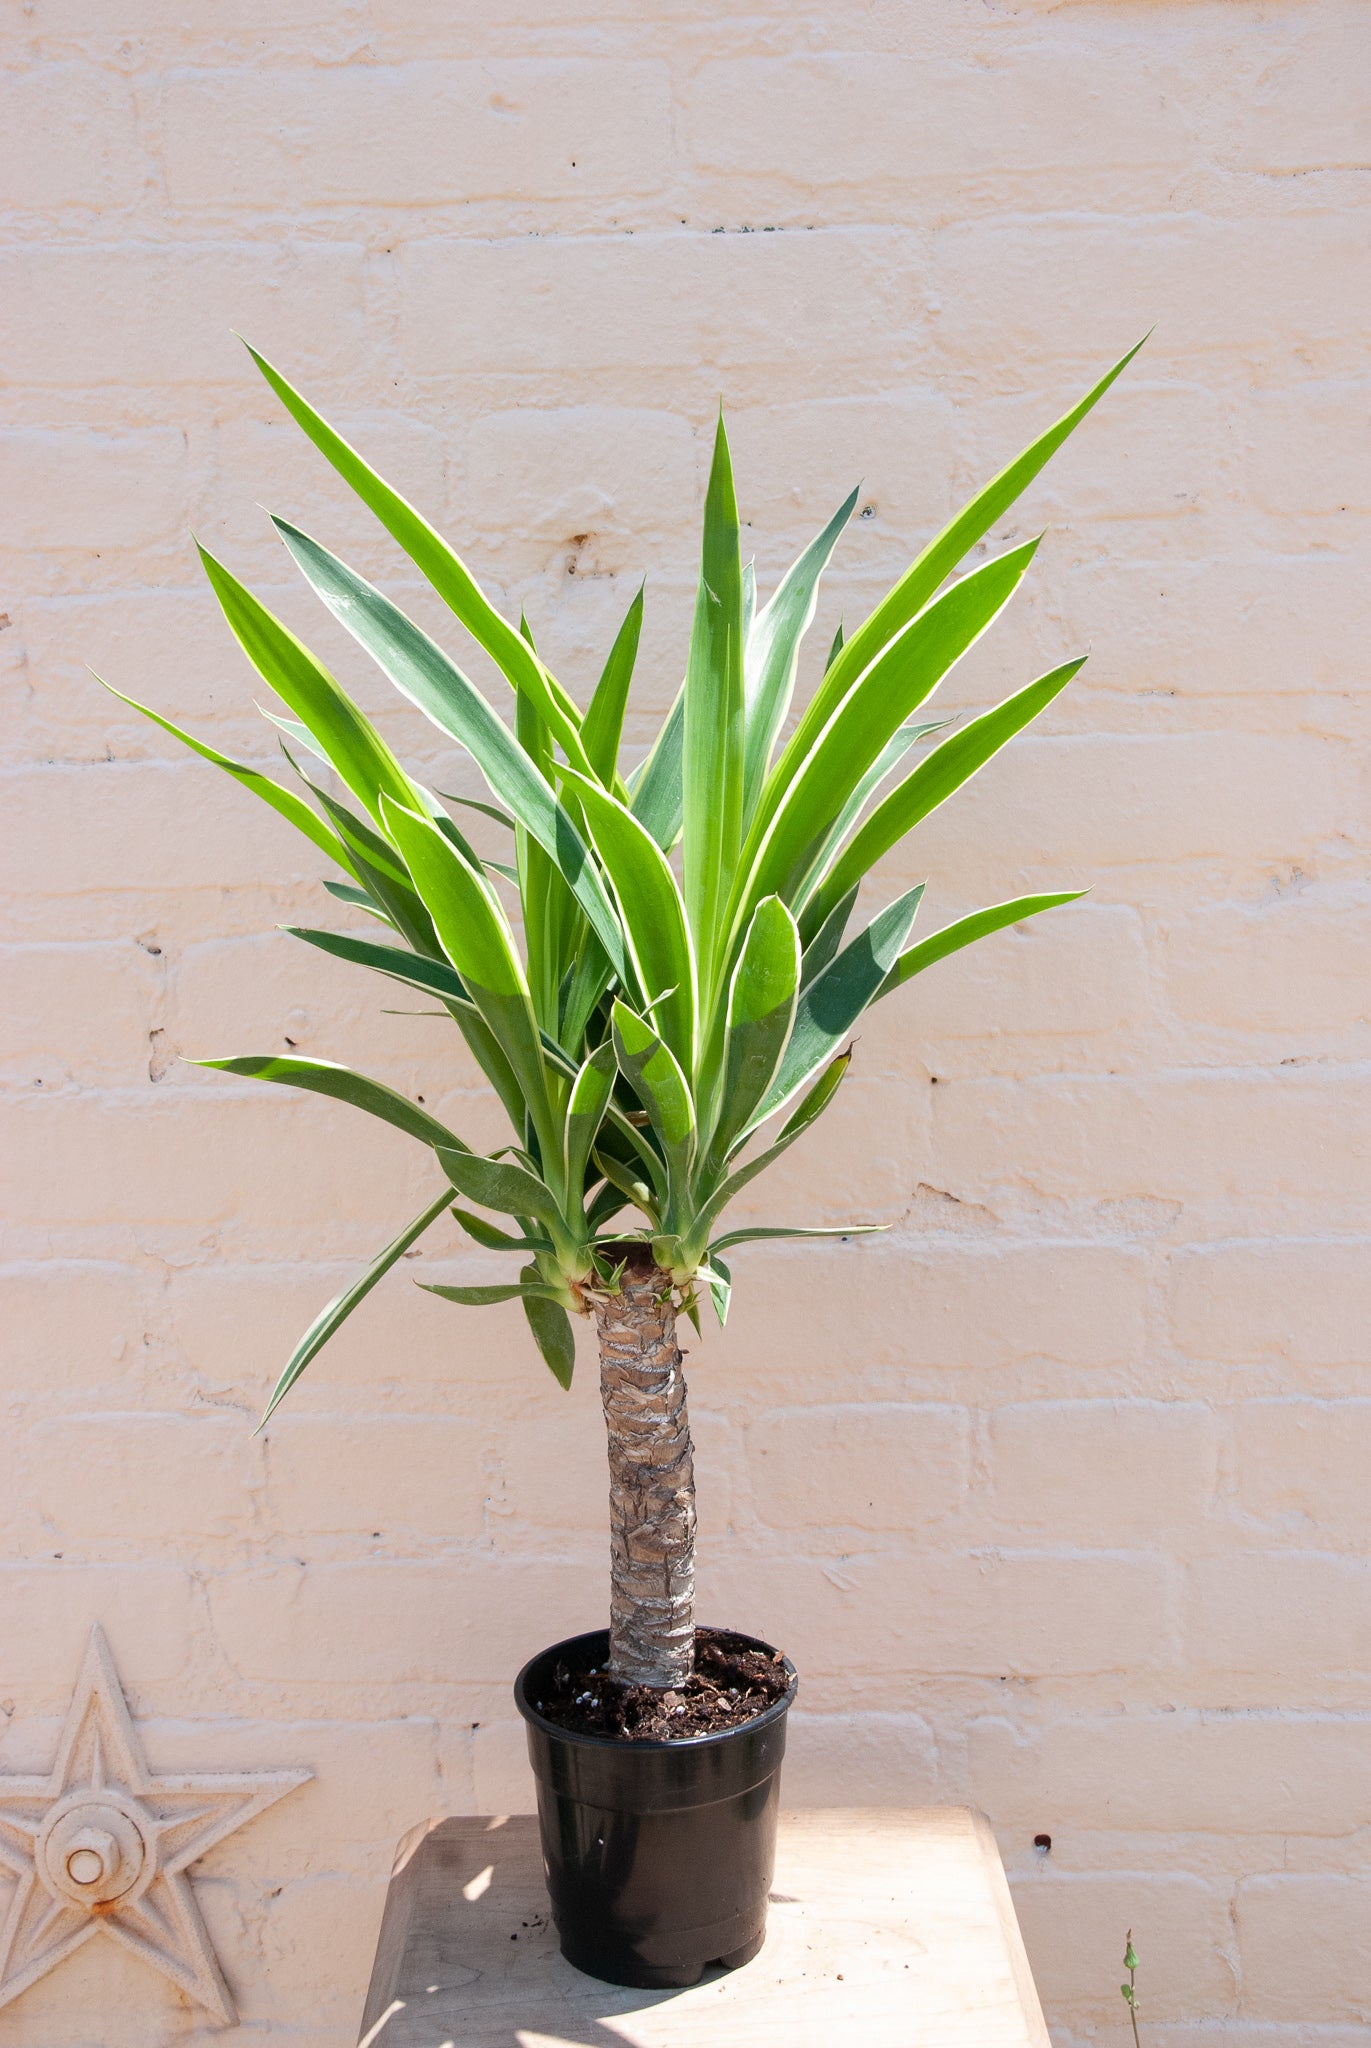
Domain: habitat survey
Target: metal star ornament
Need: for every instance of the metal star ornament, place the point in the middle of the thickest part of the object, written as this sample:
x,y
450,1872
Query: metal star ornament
x,y
102,1846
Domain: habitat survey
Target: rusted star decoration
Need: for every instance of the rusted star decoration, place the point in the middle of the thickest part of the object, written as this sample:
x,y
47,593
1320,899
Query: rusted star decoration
x,y
101,1846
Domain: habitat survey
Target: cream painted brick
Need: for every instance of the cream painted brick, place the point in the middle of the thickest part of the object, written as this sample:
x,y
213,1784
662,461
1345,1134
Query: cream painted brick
x,y
391,1623
1289,1618
860,1760
263,465
557,472
1301,1303
1073,1927
370,1779
1210,285
77,1013
876,1143
149,1480
656,301
46,1610
795,464
553,1467
1302,1466
874,121
1105,1473
69,1324
1149,451
1305,1948
875,1466
1226,626
134,1157
151,316
163,647
957,1305
1299,964
530,127
1067,976
321,1935
1310,447
1241,797
1308,110
237,1324
1263,1774
96,492
1235,1142
196,830
420,1476
995,1615
70,139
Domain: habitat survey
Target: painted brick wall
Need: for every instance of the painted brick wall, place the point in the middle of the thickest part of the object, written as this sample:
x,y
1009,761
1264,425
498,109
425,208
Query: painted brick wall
x,y
1057,1493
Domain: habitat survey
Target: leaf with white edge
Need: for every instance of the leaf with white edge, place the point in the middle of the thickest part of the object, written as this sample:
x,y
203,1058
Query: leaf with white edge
x,y
655,926
761,1012
487,1297
340,1308
284,801
835,999
964,931
773,651
497,1184
494,1240
752,1236
421,671
586,1108
354,747
430,553
552,1332
341,1084
932,568
651,1070
712,779
604,719
826,941
935,778
813,1107
657,796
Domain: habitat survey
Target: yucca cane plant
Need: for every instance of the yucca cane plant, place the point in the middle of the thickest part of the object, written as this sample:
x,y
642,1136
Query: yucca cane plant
x,y
674,1004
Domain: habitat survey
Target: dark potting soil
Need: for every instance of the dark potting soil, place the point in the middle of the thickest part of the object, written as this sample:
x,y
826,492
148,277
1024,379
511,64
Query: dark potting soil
x,y
732,1682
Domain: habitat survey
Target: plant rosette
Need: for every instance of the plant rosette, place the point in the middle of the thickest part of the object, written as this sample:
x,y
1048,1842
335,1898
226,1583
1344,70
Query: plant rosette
x,y
659,977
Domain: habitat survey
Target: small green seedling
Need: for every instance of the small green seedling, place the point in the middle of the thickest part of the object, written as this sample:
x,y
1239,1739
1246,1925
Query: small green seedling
x,y
1130,1989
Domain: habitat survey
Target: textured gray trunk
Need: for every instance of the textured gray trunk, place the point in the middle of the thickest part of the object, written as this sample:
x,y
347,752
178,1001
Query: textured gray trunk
x,y
651,1481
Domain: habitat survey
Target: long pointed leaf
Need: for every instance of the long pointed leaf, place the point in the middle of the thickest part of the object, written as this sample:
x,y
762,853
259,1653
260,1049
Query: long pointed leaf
x,y
604,719
835,999
713,758
937,776
477,939
353,745
907,673
773,650
657,791
964,931
753,1236
799,1121
340,1308
498,1184
341,1084
651,1070
931,568
761,1012
444,569
291,807
421,671
585,1113
552,1332
659,941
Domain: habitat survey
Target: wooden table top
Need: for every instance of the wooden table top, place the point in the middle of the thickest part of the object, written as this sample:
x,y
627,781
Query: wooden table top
x,y
888,1930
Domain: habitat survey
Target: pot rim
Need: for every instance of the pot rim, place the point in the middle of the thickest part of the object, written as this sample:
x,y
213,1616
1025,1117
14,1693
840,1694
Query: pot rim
x,y
654,1746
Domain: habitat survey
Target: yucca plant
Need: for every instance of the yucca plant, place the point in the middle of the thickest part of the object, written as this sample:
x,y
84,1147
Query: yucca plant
x,y
658,1014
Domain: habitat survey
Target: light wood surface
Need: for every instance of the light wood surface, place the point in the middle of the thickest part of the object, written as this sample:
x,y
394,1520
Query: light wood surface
x,y
886,1930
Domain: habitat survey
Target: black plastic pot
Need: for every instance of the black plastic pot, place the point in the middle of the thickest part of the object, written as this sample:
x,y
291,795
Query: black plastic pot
x,y
658,1854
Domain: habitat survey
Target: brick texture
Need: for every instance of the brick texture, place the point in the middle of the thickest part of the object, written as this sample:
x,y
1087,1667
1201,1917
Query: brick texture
x,y
1056,1491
